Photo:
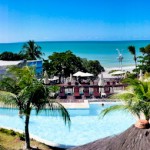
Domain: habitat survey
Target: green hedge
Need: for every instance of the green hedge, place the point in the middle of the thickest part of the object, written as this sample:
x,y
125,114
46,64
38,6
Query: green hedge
x,y
13,133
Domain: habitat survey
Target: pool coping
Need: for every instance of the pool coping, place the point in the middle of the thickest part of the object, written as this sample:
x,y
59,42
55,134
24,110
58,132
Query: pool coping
x,y
86,103
38,139
53,144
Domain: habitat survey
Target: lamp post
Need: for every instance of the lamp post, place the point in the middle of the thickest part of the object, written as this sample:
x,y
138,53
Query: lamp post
x,y
120,58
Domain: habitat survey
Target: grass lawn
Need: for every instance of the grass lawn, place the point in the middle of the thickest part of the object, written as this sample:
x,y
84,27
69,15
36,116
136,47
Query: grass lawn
x,y
10,142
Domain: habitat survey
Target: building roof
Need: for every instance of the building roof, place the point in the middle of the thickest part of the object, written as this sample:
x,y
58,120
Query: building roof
x,y
9,63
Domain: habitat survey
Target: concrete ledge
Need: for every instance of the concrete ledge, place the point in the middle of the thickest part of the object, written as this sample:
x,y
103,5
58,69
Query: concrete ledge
x,y
85,104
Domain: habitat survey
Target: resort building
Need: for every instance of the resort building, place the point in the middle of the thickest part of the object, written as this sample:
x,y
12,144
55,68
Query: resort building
x,y
36,63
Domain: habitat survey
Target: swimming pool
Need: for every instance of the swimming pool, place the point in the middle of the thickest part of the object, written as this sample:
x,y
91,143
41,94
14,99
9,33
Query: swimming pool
x,y
86,126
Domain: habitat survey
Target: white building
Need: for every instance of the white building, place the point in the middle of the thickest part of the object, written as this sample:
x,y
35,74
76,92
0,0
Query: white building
x,y
37,63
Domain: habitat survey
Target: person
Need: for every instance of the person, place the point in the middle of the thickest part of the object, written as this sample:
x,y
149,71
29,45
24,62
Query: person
x,y
102,104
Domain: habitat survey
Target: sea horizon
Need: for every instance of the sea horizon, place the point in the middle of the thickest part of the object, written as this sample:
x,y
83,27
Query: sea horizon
x,y
13,42
103,51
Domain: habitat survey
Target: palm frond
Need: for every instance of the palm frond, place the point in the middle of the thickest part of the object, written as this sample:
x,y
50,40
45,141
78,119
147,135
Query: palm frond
x,y
111,109
54,88
136,98
123,96
8,98
31,93
58,109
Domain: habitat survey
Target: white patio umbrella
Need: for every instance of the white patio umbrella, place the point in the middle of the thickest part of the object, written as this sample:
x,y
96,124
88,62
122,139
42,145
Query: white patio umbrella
x,y
54,78
82,74
88,74
79,73
118,73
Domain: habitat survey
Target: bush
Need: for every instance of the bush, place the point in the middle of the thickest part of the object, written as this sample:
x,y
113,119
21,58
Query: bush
x,y
21,136
13,133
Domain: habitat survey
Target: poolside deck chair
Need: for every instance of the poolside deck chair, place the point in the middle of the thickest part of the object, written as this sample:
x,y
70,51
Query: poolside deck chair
x,y
95,82
96,92
69,83
107,90
107,83
77,92
62,93
86,92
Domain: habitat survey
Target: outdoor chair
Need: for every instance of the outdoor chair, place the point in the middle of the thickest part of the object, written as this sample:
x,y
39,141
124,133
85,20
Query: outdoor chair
x,y
69,83
107,83
96,92
62,93
77,92
107,90
113,83
95,82
86,92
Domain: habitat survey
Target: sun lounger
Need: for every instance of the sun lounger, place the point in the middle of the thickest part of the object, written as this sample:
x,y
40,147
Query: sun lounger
x,y
96,92
76,92
62,93
86,92
107,90
108,83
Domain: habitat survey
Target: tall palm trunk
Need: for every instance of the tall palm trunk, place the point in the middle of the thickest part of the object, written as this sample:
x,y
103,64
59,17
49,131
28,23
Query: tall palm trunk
x,y
135,61
27,137
27,118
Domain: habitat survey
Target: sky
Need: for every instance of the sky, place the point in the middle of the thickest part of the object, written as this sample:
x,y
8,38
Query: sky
x,y
74,20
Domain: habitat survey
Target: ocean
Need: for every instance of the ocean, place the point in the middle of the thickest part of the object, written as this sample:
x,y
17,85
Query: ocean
x,y
104,51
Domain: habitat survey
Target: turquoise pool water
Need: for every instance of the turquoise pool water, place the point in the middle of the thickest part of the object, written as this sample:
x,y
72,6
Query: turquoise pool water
x,y
86,126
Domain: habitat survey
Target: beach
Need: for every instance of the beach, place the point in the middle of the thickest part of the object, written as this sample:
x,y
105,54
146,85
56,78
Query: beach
x,y
125,69
104,51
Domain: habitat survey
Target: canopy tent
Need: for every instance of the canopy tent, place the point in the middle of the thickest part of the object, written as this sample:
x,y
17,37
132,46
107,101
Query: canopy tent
x,y
82,74
119,72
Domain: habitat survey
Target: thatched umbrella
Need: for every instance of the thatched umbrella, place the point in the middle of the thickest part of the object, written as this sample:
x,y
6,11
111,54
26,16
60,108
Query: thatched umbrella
x,y
132,139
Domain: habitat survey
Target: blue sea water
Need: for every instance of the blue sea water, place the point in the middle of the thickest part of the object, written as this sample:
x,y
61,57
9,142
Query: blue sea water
x,y
104,51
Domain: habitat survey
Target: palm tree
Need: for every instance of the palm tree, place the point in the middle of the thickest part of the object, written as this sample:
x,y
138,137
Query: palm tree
x,y
142,50
31,51
54,89
133,52
136,99
24,91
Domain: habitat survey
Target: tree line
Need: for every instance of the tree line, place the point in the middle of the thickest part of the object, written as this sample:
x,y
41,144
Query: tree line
x,y
63,63
144,59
